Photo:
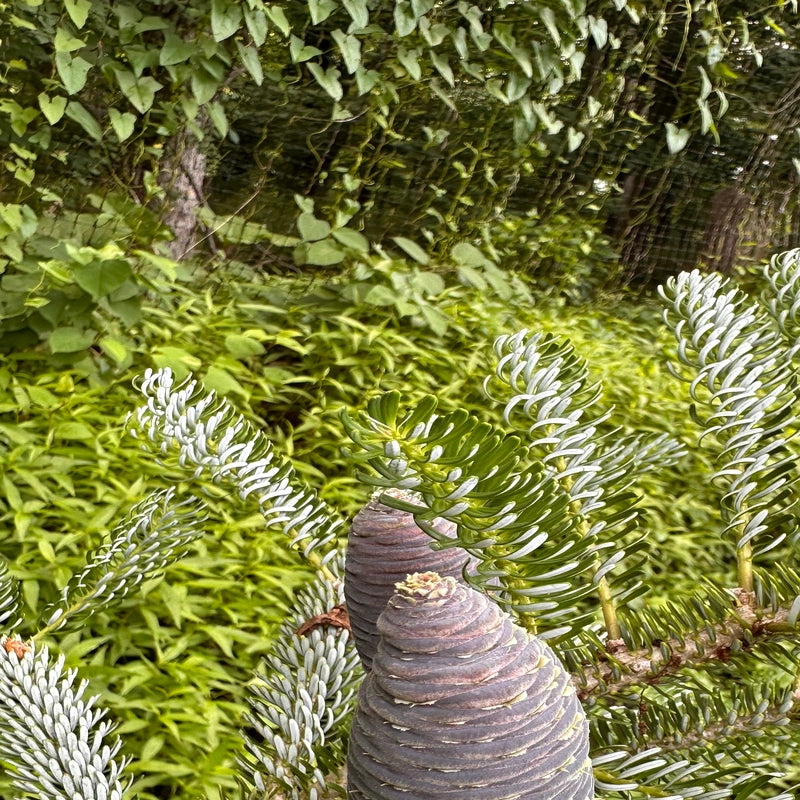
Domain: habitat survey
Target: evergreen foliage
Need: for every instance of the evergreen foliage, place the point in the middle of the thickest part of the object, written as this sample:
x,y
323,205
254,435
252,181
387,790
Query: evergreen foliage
x,y
689,696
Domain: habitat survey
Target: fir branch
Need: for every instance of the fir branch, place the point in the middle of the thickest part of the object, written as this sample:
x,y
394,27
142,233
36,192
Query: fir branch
x,y
511,515
739,369
544,382
208,434
54,743
157,533
9,599
301,700
621,669
782,293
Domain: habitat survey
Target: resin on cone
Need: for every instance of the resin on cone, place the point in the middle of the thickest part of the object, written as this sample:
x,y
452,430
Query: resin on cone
x,y
463,703
383,547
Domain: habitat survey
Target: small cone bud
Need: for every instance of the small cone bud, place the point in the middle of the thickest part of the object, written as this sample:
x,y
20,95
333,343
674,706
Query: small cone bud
x,y
383,547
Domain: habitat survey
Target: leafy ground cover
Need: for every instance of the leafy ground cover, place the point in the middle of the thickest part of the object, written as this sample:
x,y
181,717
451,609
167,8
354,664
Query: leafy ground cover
x,y
172,662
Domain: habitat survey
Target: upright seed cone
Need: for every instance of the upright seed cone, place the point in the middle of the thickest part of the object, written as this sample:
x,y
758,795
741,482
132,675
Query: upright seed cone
x,y
383,547
463,703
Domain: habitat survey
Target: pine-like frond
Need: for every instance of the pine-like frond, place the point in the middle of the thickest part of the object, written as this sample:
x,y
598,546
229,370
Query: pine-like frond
x,y
543,387
9,599
738,369
782,293
55,744
156,534
510,512
209,435
654,772
301,700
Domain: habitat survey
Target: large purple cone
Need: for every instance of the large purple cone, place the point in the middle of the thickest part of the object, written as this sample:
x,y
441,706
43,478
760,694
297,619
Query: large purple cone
x,y
462,703
384,546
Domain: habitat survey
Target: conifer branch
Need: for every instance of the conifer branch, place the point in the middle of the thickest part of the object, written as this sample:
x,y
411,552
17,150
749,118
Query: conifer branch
x,y
621,669
54,742
208,434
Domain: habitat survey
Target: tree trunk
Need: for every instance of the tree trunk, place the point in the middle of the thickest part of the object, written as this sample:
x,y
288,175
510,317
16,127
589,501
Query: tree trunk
x,y
182,176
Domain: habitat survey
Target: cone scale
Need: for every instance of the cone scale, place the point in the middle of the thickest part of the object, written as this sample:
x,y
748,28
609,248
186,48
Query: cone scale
x,y
461,702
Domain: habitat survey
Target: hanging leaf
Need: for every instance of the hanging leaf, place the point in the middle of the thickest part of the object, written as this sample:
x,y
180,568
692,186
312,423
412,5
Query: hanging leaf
x,y
320,10
350,48
412,249
328,79
76,112
676,137
278,16
216,113
52,107
358,11
140,92
122,124
225,19
175,50
249,56
72,71
78,11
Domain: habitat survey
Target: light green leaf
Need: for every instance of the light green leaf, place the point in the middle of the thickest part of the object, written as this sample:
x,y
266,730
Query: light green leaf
x,y
240,346
75,111
72,71
598,27
380,296
429,283
100,278
256,21
676,137
70,340
221,381
278,16
350,48
405,21
300,51
115,348
311,228
436,319
358,11
225,19
549,19
320,10
166,265
412,248
352,239
328,79
249,56
78,11
204,85
366,79
175,50
65,42
442,66
122,123
139,91
52,107
323,253
216,114
410,61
